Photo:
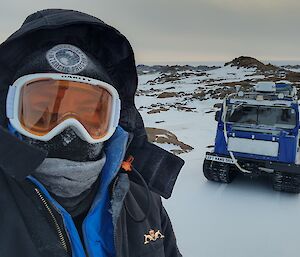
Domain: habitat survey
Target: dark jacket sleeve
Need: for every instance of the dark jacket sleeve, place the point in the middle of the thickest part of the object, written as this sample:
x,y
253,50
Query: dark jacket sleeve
x,y
170,244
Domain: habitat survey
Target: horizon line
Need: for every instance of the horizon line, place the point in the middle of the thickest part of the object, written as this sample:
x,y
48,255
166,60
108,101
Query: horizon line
x,y
219,62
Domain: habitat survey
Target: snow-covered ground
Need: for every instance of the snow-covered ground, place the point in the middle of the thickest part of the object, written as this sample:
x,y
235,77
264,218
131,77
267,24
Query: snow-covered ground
x,y
243,219
294,70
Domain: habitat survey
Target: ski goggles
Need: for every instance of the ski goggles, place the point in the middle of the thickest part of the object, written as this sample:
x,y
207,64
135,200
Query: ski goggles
x,y
42,105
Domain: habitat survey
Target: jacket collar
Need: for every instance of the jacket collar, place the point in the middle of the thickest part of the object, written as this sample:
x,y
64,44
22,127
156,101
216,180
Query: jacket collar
x,y
18,159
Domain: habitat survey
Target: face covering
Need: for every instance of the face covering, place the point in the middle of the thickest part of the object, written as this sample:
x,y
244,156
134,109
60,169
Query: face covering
x,y
70,182
67,145
67,178
70,170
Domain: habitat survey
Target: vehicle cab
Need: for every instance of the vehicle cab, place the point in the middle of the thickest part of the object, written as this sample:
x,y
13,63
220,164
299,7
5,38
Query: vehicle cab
x,y
257,132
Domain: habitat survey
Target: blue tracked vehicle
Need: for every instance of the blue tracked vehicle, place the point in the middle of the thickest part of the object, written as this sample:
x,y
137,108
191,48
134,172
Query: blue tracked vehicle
x,y
258,134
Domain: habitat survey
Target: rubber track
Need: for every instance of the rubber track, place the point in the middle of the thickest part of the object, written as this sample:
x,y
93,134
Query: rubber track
x,y
217,171
286,182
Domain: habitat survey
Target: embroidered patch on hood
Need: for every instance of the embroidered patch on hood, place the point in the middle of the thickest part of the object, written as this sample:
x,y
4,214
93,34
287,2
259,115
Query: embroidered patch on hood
x,y
67,59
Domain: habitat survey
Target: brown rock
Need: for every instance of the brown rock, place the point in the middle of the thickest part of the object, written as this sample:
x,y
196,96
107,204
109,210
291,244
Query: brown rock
x,y
163,136
167,95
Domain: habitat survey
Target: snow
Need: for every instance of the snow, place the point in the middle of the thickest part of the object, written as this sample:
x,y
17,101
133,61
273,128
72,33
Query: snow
x,y
294,70
233,74
229,72
243,219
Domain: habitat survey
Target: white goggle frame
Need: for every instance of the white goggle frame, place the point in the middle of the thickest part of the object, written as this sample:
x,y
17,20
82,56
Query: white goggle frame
x,y
12,107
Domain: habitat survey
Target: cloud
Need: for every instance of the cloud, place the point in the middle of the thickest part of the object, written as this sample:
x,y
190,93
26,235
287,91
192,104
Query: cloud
x,y
190,30
269,6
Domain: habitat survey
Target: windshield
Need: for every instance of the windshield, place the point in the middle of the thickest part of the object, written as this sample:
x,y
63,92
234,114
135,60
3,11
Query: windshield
x,y
279,117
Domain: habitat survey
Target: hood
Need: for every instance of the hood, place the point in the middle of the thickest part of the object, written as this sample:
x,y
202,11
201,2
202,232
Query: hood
x,y
113,51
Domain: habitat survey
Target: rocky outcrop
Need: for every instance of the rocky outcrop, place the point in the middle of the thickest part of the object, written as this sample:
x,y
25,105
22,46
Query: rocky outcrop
x,y
162,136
250,62
145,69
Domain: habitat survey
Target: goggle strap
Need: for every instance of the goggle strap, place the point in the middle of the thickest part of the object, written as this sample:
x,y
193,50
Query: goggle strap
x,y
117,113
10,100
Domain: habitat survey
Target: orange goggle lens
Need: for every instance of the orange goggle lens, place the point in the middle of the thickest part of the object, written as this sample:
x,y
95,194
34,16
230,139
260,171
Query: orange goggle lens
x,y
44,104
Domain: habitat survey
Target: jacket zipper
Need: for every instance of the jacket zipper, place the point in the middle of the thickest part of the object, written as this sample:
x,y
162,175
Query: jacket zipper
x,y
115,229
115,235
58,228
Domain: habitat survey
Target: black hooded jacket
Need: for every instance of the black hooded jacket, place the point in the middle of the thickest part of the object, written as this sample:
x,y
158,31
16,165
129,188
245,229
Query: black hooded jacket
x,y
31,226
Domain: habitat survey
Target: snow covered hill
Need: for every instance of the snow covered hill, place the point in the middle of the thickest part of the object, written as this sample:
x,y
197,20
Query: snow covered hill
x,y
243,219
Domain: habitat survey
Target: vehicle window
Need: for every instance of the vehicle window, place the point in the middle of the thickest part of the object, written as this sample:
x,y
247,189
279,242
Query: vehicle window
x,y
262,115
277,117
242,114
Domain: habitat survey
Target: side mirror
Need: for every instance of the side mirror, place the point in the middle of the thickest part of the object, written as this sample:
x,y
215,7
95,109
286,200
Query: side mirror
x,y
217,115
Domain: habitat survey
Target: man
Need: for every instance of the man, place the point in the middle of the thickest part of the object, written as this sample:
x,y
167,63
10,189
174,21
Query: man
x,y
77,174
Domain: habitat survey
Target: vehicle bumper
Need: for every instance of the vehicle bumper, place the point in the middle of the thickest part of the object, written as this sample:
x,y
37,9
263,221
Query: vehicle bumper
x,y
254,165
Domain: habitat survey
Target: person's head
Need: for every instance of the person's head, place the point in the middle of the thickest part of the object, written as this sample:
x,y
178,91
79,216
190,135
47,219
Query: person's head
x,y
63,101
77,44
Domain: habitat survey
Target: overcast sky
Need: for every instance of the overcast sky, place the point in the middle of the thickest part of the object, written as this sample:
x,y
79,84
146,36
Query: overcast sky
x,y
163,31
